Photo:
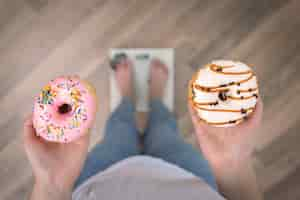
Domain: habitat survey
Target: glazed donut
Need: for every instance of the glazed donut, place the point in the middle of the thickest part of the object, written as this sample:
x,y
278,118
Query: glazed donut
x,y
64,110
223,93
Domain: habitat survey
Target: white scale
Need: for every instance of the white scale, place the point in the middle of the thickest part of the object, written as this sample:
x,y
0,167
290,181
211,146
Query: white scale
x,y
141,59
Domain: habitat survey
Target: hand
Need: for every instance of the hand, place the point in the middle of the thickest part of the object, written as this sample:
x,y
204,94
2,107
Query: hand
x,y
224,145
56,165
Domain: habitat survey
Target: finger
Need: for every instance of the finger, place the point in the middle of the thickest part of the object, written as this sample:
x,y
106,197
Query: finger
x,y
28,129
199,125
83,140
203,131
257,115
254,118
29,134
192,114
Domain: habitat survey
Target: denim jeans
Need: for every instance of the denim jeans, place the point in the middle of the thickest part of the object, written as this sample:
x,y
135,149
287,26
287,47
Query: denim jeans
x,y
161,139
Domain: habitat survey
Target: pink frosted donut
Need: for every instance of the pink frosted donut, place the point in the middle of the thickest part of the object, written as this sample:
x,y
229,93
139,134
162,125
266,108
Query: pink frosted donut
x,y
64,110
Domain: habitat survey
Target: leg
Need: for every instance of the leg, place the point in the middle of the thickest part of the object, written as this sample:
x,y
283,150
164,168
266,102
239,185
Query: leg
x,y
121,139
162,138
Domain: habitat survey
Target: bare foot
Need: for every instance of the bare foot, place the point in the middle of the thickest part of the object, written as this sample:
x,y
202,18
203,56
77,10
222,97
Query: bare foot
x,y
123,74
158,79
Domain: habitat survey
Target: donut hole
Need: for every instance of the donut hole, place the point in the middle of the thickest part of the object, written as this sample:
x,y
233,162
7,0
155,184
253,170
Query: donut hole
x,y
64,108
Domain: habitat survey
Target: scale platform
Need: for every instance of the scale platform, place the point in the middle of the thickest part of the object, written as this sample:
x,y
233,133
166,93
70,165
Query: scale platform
x,y
141,59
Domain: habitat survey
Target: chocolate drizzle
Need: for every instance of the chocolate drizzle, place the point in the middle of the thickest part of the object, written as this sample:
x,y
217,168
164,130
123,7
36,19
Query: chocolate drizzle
x,y
222,96
198,106
222,123
221,87
215,68
219,69
247,90
243,111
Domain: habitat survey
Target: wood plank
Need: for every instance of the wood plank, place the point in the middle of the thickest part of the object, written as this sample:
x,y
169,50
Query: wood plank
x,y
18,24
239,19
280,158
287,189
280,112
34,43
8,10
38,5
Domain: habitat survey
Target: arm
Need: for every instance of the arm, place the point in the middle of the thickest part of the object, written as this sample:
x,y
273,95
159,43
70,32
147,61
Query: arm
x,y
229,150
237,181
47,192
55,166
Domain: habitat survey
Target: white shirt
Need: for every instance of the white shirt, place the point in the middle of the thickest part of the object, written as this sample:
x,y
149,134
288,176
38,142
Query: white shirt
x,y
147,178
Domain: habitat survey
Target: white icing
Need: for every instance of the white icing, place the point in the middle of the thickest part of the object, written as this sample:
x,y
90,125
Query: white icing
x,y
209,78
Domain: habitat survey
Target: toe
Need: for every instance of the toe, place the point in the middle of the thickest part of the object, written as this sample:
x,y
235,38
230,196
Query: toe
x,y
123,65
128,63
160,65
164,68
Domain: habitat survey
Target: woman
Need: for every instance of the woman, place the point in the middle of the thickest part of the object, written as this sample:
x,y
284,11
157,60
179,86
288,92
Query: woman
x,y
165,168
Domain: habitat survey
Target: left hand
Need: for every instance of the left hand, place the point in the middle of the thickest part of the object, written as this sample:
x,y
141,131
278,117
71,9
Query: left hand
x,y
54,164
227,146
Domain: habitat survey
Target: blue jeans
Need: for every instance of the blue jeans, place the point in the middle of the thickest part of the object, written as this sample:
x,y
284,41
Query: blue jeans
x,y
161,139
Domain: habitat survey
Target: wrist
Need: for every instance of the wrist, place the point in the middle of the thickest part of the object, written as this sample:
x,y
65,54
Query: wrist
x,y
57,181
47,190
231,166
237,180
230,161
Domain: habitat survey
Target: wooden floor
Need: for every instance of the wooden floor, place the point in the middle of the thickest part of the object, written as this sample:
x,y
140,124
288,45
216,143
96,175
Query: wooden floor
x,y
40,39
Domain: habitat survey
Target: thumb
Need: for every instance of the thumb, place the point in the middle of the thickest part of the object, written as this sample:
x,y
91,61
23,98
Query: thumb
x,y
29,134
193,115
84,140
199,126
254,120
204,133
